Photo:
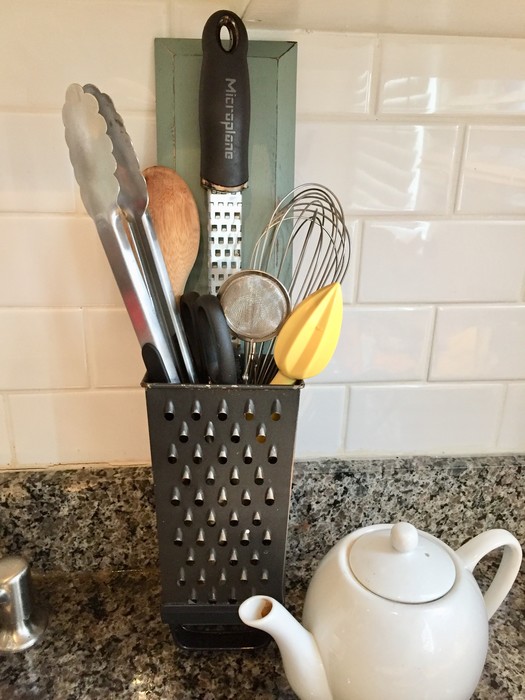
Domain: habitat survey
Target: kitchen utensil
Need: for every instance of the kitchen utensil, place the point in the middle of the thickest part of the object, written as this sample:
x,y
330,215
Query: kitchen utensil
x,y
222,461
176,221
133,200
391,612
210,338
309,336
94,165
224,121
306,232
255,305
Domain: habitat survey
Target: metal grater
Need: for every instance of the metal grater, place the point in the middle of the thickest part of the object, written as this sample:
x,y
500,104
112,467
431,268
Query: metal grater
x,y
222,461
224,236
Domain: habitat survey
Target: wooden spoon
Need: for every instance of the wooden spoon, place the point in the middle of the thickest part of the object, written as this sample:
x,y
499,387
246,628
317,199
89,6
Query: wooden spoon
x,y
309,336
176,221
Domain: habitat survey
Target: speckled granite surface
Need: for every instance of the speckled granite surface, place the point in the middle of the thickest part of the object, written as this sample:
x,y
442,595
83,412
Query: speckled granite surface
x,y
90,535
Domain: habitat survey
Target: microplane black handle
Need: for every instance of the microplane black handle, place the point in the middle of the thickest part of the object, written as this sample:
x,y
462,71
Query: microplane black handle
x,y
224,102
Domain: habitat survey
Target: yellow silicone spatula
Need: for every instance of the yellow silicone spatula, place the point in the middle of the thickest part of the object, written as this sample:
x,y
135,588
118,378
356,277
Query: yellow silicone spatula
x,y
309,336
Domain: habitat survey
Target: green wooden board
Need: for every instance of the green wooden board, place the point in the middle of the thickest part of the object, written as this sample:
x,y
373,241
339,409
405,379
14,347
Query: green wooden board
x,y
273,68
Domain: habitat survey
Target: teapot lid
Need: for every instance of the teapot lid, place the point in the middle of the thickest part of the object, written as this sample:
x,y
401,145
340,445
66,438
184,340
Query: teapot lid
x,y
402,564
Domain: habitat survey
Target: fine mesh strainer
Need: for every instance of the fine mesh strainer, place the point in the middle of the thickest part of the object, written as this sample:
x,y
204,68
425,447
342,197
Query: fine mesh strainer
x,y
255,304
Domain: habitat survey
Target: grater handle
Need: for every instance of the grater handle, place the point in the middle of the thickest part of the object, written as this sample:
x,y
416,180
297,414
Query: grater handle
x,y
224,104
221,637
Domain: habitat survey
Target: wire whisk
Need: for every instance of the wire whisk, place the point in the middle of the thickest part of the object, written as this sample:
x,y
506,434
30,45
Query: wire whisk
x,y
306,245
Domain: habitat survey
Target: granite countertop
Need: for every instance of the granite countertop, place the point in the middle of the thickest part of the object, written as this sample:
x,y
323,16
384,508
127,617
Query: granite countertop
x,y
90,536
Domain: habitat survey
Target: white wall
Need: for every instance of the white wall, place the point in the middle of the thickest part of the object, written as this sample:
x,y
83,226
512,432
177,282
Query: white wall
x,y
421,136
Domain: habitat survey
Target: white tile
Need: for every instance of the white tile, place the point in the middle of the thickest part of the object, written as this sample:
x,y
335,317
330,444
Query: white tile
x,y
42,349
334,73
470,17
460,75
447,260
36,174
422,419
378,167
321,421
381,343
114,355
54,261
82,427
479,342
59,42
492,180
5,445
512,431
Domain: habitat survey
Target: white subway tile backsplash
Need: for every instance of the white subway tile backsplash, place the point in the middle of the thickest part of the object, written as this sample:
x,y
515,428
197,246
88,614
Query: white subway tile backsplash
x,y
493,173
5,447
54,261
114,354
376,166
80,427
54,43
42,349
512,431
479,342
381,344
452,75
321,421
36,175
423,419
346,88
446,260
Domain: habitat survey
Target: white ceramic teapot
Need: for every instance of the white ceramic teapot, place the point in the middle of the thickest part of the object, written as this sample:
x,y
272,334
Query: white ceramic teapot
x,y
391,612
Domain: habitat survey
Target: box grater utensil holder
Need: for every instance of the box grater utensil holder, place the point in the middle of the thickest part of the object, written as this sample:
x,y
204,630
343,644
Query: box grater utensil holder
x,y
222,459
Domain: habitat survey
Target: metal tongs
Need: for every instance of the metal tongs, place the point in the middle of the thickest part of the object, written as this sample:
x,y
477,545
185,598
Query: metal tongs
x,y
115,195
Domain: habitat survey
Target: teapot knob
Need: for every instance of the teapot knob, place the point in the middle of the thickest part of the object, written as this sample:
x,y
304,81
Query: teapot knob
x,y
404,537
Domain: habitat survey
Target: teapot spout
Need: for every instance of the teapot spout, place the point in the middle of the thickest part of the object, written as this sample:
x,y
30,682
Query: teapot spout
x,y
301,659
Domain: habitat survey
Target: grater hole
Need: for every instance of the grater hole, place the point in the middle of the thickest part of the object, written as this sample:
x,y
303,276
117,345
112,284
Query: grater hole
x,y
261,434
234,518
249,410
267,538
193,599
196,410
223,540
244,575
175,497
202,578
234,476
210,476
235,433
197,454
190,557
223,455
188,517
246,499
254,559
223,497
276,410
178,538
172,454
269,497
247,457
169,410
234,558
256,520
184,433
259,476
272,455
222,413
211,519
232,599
181,581
264,576
245,538
200,538
199,498
186,475
209,435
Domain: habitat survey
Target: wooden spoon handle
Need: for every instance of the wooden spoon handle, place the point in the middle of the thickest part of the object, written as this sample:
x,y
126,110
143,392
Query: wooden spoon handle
x,y
176,220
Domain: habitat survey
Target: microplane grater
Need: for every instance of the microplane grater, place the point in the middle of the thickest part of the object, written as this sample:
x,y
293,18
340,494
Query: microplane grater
x,y
222,460
224,236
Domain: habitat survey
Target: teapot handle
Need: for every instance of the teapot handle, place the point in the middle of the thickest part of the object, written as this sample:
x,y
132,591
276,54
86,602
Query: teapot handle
x,y
478,547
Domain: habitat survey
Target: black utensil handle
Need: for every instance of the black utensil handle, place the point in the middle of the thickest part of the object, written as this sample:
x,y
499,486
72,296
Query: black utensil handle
x,y
224,103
